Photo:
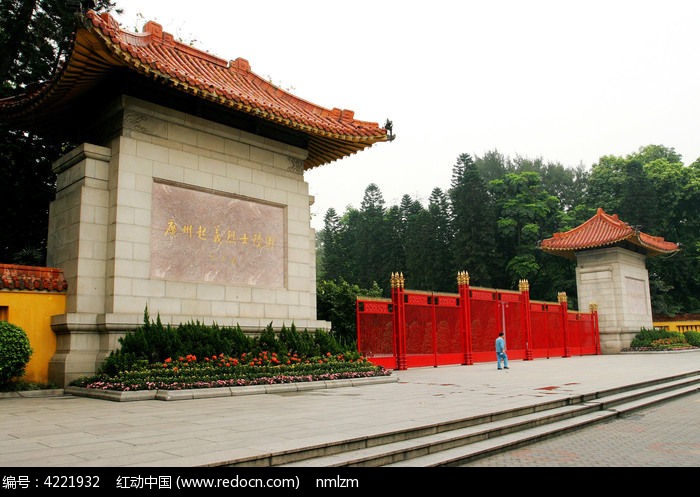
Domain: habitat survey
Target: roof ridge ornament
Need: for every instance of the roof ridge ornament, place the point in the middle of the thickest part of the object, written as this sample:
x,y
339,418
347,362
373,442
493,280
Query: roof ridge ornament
x,y
239,64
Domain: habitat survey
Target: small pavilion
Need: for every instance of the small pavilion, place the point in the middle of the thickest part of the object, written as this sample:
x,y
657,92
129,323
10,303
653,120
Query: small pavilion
x,y
185,193
611,274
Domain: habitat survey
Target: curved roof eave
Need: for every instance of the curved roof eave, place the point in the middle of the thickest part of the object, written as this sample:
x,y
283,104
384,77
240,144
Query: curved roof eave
x,y
604,230
101,45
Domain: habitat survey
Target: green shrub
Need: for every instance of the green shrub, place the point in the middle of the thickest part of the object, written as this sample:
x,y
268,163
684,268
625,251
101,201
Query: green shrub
x,y
15,351
693,338
237,341
268,341
327,343
153,343
657,339
119,360
336,302
646,337
300,343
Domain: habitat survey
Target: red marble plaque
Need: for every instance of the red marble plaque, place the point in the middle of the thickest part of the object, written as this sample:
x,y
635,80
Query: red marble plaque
x,y
208,237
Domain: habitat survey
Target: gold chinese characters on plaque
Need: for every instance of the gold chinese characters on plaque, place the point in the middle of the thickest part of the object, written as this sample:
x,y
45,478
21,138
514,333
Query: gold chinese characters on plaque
x,y
210,237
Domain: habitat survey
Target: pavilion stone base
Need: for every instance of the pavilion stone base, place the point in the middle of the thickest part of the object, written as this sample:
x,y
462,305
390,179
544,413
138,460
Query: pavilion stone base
x,y
181,217
616,280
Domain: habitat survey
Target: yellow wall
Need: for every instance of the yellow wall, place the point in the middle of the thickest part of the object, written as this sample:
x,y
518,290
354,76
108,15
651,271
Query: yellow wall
x,y
681,326
32,312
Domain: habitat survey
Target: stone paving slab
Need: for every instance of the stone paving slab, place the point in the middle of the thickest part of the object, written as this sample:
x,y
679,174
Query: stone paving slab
x,y
72,431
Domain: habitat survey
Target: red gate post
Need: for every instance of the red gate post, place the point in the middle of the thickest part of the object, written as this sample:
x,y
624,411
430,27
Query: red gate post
x,y
357,324
594,311
465,315
397,294
433,301
561,297
524,288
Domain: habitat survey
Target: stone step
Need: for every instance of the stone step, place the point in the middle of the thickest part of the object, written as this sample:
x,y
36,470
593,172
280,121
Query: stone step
x,y
456,441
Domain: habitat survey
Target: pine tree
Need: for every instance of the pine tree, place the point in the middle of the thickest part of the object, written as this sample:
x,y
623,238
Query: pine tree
x,y
473,223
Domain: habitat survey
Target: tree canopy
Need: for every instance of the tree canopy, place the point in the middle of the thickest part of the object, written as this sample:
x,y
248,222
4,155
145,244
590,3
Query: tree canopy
x,y
35,36
492,229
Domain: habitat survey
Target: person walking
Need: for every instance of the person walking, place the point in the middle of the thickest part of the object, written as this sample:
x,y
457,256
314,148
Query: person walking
x,y
501,355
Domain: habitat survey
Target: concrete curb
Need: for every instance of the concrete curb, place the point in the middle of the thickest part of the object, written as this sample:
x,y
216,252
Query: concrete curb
x,y
44,392
206,393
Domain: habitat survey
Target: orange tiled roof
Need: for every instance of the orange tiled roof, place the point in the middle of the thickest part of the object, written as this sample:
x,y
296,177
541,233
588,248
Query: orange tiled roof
x,y
101,46
604,230
16,277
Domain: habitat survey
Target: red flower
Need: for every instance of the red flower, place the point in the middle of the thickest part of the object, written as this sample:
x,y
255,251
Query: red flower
x,y
168,360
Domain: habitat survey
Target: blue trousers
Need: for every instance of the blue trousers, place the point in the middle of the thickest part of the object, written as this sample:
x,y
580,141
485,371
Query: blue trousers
x,y
502,357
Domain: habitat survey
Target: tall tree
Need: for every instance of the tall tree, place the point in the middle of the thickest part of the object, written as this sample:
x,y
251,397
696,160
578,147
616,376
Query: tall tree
x,y
443,270
372,240
35,36
525,213
473,223
650,153
672,279
334,254
638,205
652,190
396,227
493,165
565,183
419,247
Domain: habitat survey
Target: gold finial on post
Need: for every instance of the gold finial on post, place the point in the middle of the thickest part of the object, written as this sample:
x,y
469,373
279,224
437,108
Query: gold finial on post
x,y
397,280
593,307
462,278
561,297
524,286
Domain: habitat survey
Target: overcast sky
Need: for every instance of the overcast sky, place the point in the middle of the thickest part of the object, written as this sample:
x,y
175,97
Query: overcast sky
x,y
565,81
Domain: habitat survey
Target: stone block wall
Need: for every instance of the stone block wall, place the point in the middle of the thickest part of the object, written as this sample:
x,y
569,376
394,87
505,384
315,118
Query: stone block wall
x,y
190,219
617,281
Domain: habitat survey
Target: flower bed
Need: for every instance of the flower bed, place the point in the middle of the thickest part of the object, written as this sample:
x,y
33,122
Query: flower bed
x,y
224,371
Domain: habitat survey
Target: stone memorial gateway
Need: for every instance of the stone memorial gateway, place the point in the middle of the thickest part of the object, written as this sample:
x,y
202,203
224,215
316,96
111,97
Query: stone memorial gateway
x,y
611,274
185,195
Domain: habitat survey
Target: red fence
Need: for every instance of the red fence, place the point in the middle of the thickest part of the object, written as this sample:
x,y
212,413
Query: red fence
x,y
416,328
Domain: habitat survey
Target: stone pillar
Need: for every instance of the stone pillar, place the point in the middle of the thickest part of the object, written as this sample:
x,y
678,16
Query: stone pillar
x,y
77,243
617,280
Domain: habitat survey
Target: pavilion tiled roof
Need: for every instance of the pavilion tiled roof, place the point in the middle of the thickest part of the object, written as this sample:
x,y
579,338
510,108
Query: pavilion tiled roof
x,y
603,230
101,46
